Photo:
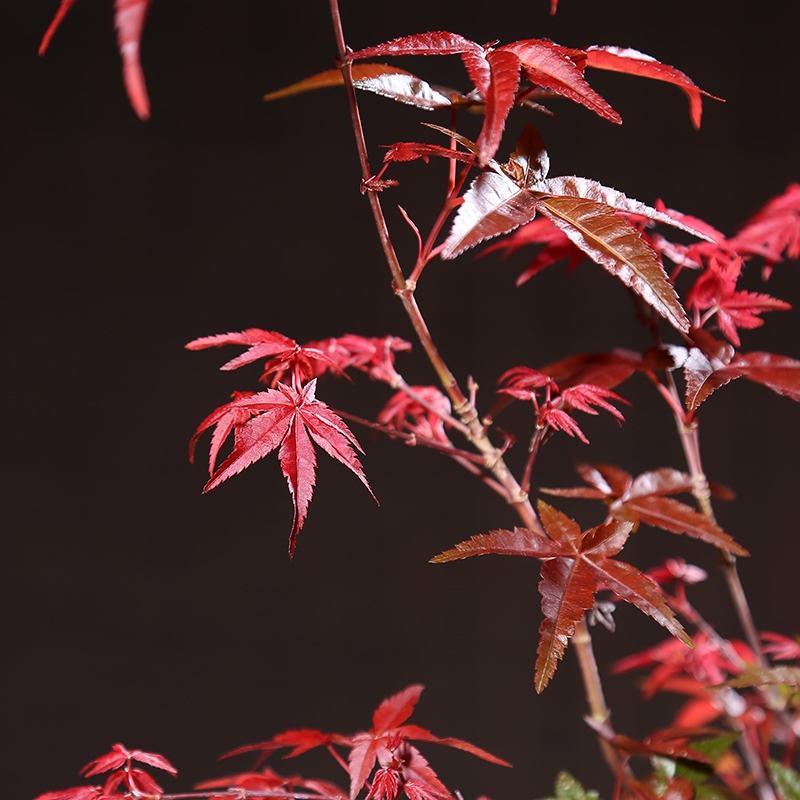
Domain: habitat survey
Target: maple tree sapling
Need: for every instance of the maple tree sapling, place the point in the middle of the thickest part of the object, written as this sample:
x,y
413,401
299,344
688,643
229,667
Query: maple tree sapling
x,y
735,735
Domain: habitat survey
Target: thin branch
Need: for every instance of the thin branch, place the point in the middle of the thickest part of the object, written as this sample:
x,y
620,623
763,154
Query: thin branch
x,y
462,407
533,451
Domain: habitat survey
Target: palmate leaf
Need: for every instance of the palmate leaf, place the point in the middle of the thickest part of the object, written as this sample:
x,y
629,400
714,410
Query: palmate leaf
x,y
382,79
289,419
575,565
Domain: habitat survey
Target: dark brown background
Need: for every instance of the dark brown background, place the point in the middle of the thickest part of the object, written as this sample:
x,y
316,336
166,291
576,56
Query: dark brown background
x,y
138,610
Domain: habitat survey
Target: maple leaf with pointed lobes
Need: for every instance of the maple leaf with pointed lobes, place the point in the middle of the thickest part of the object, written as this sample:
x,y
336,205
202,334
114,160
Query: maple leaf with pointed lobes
x,y
575,566
387,744
129,20
289,418
372,355
647,498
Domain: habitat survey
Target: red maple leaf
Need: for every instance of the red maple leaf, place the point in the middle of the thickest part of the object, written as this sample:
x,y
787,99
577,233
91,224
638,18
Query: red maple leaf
x,y
289,418
420,414
575,566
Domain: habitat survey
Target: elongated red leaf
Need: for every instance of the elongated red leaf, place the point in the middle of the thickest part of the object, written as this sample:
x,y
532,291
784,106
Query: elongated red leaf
x,y
431,43
639,590
616,245
500,96
129,19
518,542
572,186
423,735
632,62
677,517
396,709
547,65
362,759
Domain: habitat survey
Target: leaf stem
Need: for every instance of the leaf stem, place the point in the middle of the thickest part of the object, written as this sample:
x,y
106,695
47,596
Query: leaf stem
x,y
689,434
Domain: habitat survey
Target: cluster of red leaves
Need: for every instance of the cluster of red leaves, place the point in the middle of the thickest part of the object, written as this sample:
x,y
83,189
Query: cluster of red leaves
x,y
384,758
129,19
124,779
553,405
502,77
723,679
290,417
575,566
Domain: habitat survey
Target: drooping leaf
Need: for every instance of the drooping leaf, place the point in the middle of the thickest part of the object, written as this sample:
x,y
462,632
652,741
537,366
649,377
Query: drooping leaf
x,y
632,62
129,20
290,419
547,65
616,245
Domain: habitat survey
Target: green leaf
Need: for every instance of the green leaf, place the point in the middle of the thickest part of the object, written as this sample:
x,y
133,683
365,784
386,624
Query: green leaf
x,y
568,788
786,779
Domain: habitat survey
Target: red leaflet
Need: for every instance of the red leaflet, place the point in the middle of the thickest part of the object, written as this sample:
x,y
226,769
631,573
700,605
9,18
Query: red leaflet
x,y
433,43
646,498
632,62
500,95
548,65
576,565
290,418
129,19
